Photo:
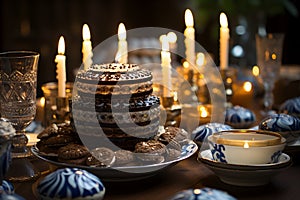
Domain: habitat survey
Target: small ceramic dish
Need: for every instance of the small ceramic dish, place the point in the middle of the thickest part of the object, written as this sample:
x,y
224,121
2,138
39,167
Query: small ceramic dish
x,y
200,134
286,125
239,117
71,183
202,194
244,175
291,107
246,147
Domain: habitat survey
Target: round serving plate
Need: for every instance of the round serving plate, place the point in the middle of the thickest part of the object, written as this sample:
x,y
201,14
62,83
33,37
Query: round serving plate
x,y
123,173
245,175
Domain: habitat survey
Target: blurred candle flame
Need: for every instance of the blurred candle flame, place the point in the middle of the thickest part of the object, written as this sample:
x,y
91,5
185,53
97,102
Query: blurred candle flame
x,y
247,86
200,59
255,70
223,20
203,111
185,64
188,17
172,37
121,32
86,34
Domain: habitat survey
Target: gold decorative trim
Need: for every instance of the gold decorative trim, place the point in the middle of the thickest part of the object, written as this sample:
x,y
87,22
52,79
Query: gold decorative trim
x,y
277,139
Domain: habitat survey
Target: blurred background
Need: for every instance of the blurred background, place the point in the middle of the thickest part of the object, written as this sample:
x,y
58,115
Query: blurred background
x,y
37,25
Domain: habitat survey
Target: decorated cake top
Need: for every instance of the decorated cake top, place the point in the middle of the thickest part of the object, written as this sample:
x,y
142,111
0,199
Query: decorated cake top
x,y
114,67
6,128
112,73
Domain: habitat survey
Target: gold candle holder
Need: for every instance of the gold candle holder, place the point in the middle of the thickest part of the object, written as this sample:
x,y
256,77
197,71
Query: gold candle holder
x,y
229,76
56,109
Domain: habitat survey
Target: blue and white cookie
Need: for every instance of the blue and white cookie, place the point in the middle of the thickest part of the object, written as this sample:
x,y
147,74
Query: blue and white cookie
x,y
71,183
200,134
202,194
239,117
287,125
291,107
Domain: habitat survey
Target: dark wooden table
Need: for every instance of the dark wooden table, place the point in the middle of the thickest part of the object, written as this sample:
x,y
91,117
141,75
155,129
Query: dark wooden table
x,y
190,174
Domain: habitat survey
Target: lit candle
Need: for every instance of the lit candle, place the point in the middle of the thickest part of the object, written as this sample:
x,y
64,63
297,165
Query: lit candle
x,y
255,71
200,59
224,41
189,34
243,94
40,106
204,113
246,145
60,59
166,67
87,53
172,38
121,55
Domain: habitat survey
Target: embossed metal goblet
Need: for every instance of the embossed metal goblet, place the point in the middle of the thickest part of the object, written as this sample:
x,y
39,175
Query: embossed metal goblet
x,y
18,78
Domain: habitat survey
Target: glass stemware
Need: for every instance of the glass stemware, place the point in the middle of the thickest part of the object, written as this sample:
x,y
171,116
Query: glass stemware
x,y
18,78
269,54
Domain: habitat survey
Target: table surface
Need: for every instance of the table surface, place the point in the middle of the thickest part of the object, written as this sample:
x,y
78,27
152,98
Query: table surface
x,y
187,174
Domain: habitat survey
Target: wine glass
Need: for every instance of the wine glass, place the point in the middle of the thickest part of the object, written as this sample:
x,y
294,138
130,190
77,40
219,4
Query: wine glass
x,y
269,54
18,78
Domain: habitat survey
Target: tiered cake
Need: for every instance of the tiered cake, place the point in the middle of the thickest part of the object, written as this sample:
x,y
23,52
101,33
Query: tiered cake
x,y
116,99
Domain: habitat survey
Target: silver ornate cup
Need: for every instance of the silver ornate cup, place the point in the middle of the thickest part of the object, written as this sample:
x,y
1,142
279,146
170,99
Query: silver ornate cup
x,y
18,78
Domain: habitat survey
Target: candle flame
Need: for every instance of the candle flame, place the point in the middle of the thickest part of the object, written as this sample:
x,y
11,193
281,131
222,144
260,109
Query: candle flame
x,y
186,64
247,86
42,101
86,32
172,37
122,32
223,20
188,17
246,145
197,191
164,43
203,111
200,59
255,70
61,45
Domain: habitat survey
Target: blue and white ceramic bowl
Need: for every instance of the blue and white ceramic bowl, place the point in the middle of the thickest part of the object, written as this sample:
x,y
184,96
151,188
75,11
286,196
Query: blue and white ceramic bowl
x,y
200,134
7,187
291,107
202,194
71,183
10,197
239,117
249,147
287,125
6,134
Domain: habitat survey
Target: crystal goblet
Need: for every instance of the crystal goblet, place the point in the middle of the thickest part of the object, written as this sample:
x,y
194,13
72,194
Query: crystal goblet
x,y
269,55
18,78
